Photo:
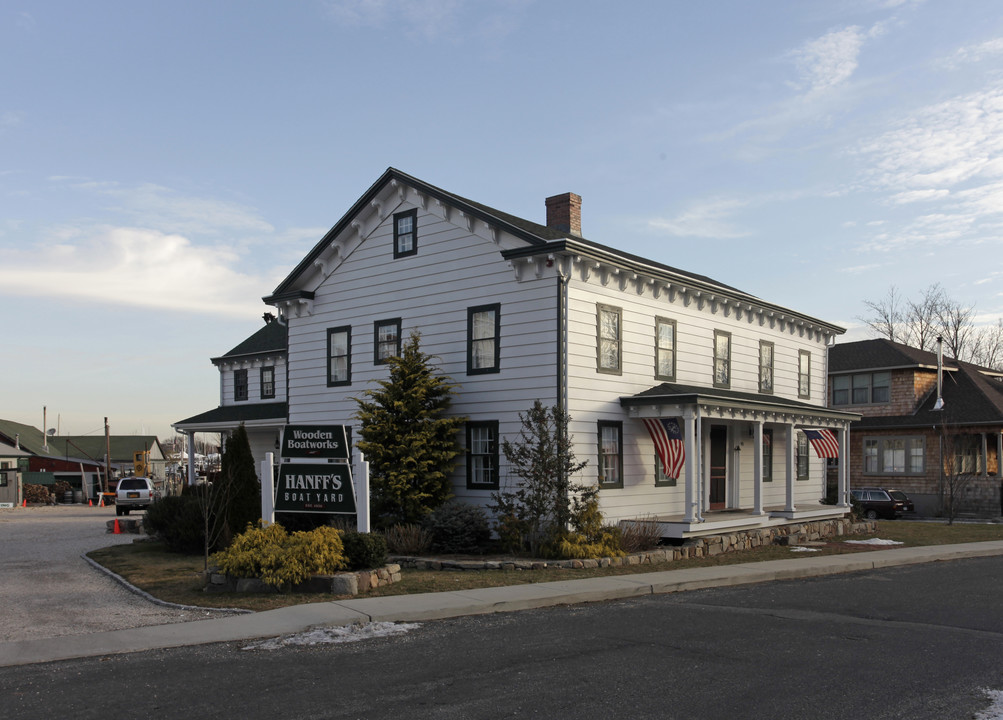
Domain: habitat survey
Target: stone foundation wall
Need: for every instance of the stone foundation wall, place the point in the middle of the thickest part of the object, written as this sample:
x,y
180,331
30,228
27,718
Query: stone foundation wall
x,y
346,583
709,546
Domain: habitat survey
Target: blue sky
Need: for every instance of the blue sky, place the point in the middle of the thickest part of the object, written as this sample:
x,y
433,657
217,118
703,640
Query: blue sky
x,y
163,166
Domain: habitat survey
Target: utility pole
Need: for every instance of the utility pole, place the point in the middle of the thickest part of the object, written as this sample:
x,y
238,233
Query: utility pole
x,y
107,456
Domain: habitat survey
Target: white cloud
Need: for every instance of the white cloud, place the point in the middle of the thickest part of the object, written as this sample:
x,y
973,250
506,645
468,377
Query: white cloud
x,y
919,195
430,18
830,60
708,219
974,53
131,266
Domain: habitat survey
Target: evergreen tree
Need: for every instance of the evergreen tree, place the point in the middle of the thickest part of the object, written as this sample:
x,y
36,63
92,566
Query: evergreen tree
x,y
241,490
408,438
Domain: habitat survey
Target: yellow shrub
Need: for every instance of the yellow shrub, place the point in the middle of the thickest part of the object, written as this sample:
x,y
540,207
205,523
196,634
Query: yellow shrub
x,y
279,558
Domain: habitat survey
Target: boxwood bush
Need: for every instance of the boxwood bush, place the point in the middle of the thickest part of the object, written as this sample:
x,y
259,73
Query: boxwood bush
x,y
457,527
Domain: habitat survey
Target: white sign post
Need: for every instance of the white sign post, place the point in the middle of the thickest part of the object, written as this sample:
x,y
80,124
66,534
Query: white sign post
x,y
362,495
267,490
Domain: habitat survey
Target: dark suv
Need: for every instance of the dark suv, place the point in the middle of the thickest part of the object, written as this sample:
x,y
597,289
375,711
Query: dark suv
x,y
135,493
876,502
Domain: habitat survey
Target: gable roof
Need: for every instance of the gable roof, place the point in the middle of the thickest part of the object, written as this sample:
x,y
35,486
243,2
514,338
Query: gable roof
x,y
539,239
85,447
270,339
881,354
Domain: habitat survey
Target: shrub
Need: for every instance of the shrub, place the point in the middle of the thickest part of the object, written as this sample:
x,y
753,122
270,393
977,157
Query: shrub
x,y
408,539
457,527
639,534
364,550
589,537
281,559
177,520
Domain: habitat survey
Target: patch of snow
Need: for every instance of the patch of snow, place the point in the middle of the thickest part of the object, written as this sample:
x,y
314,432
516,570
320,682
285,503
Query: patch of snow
x,y
872,541
324,636
801,548
994,711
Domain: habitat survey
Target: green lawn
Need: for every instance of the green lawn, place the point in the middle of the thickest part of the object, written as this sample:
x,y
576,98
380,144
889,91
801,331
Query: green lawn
x,y
177,578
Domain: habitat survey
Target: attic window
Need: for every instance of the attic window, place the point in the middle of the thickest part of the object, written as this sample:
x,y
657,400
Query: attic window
x,y
405,233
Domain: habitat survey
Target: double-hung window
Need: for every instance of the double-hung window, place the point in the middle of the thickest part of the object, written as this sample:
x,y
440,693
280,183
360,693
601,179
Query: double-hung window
x,y
862,389
339,356
801,455
722,359
483,339
765,366
609,321
665,349
482,455
610,454
767,455
804,374
239,385
405,233
386,340
268,382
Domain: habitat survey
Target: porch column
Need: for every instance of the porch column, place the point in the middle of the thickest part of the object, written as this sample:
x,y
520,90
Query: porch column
x,y
985,454
190,434
791,468
757,464
999,454
843,472
690,466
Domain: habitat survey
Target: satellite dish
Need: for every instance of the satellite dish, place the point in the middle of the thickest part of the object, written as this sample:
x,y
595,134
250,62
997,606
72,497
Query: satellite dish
x,y
50,432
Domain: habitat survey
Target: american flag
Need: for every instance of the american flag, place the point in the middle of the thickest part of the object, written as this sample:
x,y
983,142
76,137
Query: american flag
x,y
668,439
824,443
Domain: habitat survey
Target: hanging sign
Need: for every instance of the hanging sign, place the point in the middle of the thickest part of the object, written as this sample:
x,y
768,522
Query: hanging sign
x,y
315,442
314,488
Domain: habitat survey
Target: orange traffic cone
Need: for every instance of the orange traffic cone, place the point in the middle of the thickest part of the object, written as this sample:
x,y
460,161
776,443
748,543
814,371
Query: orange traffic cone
x,y
25,503
90,503
117,530
101,504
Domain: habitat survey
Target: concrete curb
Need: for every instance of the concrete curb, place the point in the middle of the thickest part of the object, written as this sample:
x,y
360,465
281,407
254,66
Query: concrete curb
x,y
438,606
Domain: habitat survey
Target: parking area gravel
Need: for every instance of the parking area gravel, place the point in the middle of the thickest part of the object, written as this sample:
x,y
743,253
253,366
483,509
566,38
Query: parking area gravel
x,y
47,589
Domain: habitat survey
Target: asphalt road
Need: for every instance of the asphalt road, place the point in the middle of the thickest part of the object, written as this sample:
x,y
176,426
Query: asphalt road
x,y
920,641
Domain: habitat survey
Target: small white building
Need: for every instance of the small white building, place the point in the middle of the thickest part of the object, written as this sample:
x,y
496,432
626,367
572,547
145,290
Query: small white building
x,y
517,311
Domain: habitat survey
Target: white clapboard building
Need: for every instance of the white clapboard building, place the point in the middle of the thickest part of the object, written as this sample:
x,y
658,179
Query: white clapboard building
x,y
517,311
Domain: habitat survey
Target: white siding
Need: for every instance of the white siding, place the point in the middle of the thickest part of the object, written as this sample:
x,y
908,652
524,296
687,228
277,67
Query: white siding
x,y
253,367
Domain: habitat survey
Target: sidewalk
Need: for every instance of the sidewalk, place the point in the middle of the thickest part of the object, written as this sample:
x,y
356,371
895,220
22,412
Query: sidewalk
x,y
438,606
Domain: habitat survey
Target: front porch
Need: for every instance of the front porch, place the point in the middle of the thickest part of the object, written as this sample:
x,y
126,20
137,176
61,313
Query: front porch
x,y
716,522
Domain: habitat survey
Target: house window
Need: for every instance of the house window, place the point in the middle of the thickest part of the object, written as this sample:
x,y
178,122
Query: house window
x,y
767,456
610,454
609,323
405,233
661,479
339,356
483,339
268,382
862,389
804,374
239,385
967,452
893,455
665,349
482,455
386,340
722,359
765,366
801,456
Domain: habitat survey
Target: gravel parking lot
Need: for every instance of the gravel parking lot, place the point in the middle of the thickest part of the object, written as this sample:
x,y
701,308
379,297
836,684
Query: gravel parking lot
x,y
48,590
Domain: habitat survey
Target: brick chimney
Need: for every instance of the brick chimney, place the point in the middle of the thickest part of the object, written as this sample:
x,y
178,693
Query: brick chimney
x,y
564,213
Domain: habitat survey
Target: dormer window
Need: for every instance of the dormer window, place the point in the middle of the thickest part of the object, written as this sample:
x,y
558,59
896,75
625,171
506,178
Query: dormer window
x,y
405,233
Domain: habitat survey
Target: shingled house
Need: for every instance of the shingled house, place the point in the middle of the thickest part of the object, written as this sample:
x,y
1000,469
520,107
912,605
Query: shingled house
x,y
903,441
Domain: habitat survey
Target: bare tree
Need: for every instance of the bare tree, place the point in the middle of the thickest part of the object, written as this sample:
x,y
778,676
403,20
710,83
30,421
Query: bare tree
x,y
957,328
886,315
922,318
987,349
956,475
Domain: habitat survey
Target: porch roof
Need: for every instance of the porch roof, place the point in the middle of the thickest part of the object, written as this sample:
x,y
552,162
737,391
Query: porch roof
x,y
228,417
678,396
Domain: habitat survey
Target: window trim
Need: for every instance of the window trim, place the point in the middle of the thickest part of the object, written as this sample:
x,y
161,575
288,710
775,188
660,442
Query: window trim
x,y
849,379
246,394
493,426
880,441
767,469
347,329
600,309
727,360
261,382
659,321
413,214
496,339
804,355
618,426
661,479
396,322
801,456
763,344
